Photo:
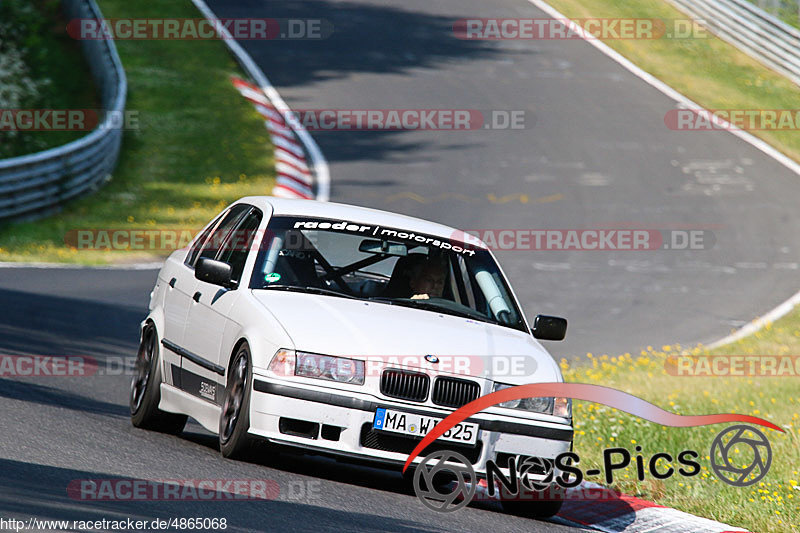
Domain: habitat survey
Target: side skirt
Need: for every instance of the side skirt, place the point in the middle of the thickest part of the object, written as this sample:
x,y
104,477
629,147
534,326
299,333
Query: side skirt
x,y
177,401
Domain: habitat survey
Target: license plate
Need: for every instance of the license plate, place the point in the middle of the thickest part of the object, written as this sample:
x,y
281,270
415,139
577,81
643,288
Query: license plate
x,y
420,425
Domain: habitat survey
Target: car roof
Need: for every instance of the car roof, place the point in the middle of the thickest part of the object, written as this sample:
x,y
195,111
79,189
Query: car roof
x,y
332,210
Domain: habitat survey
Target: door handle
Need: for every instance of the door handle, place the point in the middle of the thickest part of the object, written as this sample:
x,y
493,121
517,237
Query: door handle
x,y
196,297
172,282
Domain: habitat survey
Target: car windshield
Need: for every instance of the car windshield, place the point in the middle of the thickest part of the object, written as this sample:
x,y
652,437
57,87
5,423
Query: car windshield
x,y
386,265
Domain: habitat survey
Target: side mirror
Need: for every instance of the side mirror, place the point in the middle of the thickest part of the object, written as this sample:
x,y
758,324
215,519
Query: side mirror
x,y
549,328
215,272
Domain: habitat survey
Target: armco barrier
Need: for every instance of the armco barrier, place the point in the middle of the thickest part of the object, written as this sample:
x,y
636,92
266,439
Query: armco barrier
x,y
36,184
755,32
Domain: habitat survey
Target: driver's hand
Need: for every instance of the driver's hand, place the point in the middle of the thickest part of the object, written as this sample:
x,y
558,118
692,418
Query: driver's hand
x,y
420,297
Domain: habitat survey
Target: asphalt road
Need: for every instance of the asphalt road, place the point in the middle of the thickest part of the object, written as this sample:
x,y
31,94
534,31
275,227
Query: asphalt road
x,y
58,431
595,153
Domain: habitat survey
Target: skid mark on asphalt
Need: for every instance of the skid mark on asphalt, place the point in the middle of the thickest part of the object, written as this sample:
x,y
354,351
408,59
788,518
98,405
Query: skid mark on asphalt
x,y
712,177
594,179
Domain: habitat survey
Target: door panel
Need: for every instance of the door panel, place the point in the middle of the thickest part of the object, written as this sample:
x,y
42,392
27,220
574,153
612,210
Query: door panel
x,y
206,321
178,281
210,306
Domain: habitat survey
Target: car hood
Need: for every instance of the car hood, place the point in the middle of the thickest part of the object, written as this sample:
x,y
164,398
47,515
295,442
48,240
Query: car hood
x,y
342,326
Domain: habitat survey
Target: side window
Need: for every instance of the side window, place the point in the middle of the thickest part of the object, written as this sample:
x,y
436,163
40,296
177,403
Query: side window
x,y
209,244
236,247
191,257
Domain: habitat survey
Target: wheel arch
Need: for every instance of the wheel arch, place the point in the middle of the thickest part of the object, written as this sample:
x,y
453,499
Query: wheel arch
x,y
262,347
155,318
238,344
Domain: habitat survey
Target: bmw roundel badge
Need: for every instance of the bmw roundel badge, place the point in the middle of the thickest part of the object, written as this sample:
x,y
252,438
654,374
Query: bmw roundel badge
x,y
431,359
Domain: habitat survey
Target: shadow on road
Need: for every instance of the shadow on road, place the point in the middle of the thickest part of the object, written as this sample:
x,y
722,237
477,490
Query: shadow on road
x,y
59,398
376,39
365,38
47,492
616,514
45,324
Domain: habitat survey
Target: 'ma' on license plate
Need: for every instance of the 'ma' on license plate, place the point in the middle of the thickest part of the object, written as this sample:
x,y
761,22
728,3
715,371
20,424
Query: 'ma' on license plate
x,y
420,425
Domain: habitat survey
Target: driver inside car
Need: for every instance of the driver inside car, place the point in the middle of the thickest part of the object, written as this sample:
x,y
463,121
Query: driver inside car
x,y
427,279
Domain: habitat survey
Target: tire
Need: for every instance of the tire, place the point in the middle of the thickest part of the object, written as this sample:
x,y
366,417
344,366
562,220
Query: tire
x,y
536,509
234,419
146,389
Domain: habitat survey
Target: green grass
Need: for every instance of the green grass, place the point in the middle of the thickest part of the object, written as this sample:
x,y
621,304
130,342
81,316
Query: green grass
x,y
771,505
199,146
707,70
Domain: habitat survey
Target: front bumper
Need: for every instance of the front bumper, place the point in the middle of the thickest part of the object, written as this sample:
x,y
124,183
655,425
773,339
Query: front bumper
x,y
340,423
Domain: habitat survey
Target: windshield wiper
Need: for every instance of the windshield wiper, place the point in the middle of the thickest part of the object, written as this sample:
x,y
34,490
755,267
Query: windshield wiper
x,y
434,307
430,306
310,290
385,300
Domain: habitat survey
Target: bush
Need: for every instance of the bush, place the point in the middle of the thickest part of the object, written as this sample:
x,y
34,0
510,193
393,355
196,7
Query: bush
x,y
21,87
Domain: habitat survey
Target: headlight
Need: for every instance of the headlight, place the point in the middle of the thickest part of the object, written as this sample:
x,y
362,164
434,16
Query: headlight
x,y
562,407
312,365
282,363
545,405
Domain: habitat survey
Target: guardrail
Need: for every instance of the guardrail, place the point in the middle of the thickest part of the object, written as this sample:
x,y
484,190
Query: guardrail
x,y
755,32
34,185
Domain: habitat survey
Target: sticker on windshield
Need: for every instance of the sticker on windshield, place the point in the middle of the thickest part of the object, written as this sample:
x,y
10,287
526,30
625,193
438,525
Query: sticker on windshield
x,y
272,277
389,233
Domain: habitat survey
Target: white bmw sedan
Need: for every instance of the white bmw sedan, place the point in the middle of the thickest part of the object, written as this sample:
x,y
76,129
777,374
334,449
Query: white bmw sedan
x,y
344,331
